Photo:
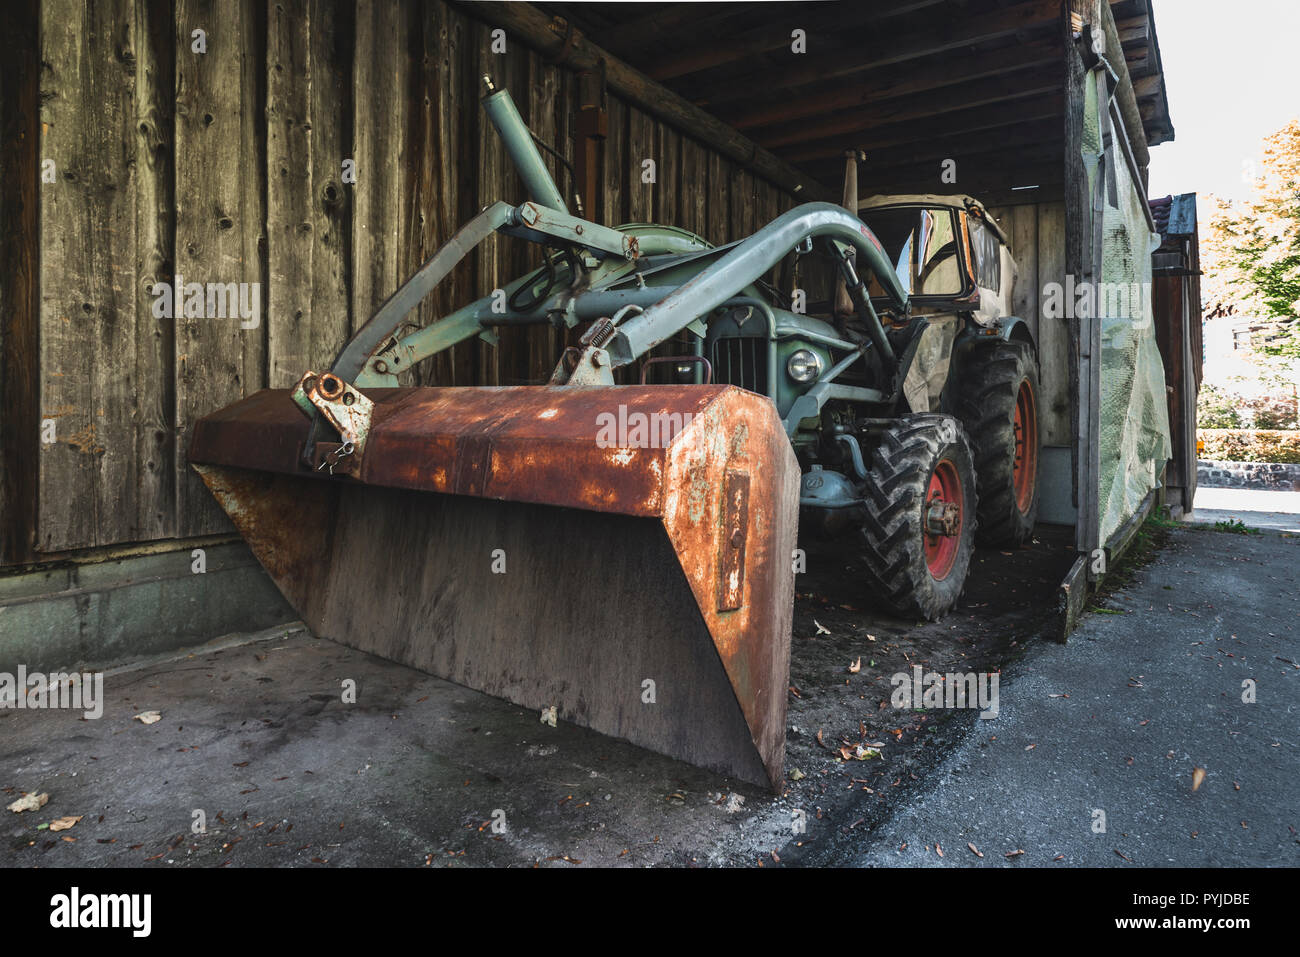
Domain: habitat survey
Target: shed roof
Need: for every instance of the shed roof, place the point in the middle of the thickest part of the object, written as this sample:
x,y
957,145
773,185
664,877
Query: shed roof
x,y
909,82
1175,218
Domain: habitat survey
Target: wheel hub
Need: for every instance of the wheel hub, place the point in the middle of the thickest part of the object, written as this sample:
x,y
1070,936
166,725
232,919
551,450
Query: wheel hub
x,y
943,519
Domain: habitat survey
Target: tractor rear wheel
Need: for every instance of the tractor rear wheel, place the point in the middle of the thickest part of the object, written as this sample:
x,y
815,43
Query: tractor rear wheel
x,y
918,525
999,407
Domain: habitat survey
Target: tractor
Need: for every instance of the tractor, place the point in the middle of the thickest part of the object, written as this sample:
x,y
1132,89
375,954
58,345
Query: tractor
x,y
499,537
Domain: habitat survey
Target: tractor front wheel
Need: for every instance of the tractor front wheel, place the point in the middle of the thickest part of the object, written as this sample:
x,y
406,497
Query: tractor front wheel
x,y
918,524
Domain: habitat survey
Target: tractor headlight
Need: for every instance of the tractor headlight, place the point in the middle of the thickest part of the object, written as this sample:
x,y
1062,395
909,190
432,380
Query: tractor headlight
x,y
804,365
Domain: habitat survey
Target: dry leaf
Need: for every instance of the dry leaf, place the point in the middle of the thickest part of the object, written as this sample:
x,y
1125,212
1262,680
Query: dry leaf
x,y
1013,853
548,716
938,850
1198,775
63,823
29,802
973,849
148,717
856,666
821,629
796,775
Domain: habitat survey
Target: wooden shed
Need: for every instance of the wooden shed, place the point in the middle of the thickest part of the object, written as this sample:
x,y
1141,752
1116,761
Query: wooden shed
x,y
313,153
1176,305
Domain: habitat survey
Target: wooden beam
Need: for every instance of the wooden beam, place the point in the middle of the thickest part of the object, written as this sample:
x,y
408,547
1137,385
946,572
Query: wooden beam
x,y
987,168
978,120
816,67
20,187
893,85
1083,334
1133,30
1021,136
1148,86
774,34
665,20
1124,94
978,183
1003,90
533,28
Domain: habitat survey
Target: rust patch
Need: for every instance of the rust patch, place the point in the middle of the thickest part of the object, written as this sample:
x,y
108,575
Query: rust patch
x,y
735,529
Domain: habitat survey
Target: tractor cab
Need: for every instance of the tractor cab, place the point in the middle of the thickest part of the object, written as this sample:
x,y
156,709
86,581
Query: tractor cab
x,y
947,251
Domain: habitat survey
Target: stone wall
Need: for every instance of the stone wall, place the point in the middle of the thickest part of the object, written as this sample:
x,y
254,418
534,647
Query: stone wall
x,y
1262,475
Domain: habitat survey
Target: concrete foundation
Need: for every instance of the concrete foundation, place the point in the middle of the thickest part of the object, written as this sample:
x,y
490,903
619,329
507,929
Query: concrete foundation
x,y
92,614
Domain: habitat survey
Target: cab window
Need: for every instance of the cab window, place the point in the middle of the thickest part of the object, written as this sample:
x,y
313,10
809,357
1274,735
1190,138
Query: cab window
x,y
986,254
922,243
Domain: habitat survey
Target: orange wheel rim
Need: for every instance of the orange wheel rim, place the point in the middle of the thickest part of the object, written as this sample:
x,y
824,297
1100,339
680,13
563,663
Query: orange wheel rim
x,y
1024,472
941,547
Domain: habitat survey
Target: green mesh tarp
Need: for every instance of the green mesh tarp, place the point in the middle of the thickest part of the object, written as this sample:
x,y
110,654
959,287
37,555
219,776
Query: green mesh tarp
x,y
1133,442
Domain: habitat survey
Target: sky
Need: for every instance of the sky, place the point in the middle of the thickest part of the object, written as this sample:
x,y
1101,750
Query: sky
x,y
1232,72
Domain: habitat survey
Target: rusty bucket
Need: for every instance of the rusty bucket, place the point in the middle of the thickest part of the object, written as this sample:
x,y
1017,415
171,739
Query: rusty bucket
x,y
623,554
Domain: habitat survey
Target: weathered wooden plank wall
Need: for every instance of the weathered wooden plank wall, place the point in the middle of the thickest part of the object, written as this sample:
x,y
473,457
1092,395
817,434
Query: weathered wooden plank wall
x,y
20,179
316,150
221,226
1035,232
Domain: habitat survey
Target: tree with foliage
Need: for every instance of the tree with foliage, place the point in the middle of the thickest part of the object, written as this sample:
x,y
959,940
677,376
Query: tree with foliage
x,y
1217,409
1251,253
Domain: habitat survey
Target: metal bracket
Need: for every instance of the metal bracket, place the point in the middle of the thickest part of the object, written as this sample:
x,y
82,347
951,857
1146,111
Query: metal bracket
x,y
344,408
537,222
592,365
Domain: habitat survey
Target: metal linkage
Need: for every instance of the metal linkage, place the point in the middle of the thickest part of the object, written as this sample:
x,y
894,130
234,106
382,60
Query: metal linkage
x,y
745,264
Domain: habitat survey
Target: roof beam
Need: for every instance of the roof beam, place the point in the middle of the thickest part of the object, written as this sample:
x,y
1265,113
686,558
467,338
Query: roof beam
x,y
537,30
992,92
959,147
663,20
892,85
978,120
981,166
770,36
1007,21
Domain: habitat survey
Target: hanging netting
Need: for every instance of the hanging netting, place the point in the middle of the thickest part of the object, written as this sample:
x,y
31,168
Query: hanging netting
x,y
1134,421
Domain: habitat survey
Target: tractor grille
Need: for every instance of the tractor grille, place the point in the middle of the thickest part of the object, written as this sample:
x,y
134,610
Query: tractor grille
x,y
742,362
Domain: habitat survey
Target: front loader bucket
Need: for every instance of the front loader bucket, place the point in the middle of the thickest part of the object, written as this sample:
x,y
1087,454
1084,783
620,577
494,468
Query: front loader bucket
x,y
623,553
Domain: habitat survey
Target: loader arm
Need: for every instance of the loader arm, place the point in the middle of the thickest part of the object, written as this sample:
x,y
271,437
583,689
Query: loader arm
x,y
380,327
746,264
